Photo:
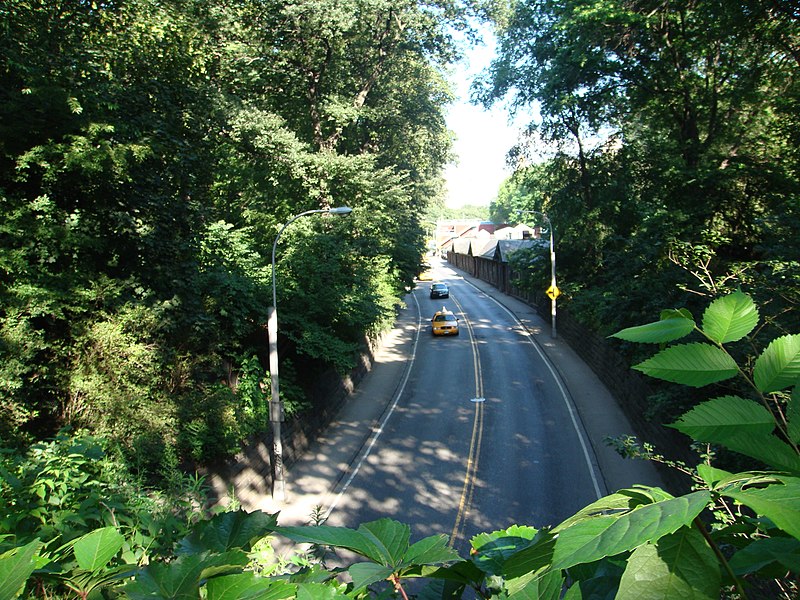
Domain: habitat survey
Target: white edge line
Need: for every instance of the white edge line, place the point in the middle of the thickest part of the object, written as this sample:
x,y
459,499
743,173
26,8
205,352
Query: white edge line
x,y
564,394
388,414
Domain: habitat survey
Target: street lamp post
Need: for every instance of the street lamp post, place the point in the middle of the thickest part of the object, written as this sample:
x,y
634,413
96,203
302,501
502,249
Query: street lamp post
x,y
553,289
276,405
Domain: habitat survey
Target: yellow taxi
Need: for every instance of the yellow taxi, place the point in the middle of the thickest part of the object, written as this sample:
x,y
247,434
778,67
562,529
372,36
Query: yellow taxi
x,y
444,322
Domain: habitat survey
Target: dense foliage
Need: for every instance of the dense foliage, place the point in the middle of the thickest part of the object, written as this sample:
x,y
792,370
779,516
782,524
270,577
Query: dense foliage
x,y
735,533
665,150
150,151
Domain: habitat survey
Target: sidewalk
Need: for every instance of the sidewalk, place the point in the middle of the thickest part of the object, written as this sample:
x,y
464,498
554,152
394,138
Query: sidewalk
x,y
316,478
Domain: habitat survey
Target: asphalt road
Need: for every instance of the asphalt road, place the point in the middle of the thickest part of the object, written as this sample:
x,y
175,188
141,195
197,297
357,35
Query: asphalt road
x,y
469,433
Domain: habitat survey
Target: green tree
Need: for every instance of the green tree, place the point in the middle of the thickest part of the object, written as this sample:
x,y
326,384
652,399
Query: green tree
x,y
671,149
149,154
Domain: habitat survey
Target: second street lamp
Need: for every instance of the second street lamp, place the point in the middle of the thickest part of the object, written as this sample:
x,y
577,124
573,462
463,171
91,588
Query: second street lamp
x,y
552,291
276,405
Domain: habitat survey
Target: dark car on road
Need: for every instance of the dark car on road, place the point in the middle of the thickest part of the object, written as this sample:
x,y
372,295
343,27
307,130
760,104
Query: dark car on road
x,y
440,290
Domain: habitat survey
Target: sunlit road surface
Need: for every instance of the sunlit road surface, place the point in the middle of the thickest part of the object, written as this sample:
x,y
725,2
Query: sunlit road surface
x,y
482,436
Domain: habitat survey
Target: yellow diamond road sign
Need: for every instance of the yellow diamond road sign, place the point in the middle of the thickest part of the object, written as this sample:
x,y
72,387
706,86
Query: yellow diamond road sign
x,y
553,292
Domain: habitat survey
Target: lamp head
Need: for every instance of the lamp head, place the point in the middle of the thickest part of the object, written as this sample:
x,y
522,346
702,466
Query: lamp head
x,y
340,210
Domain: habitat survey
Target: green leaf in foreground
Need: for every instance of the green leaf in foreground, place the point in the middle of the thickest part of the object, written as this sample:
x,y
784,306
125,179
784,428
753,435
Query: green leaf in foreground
x,y
319,591
793,416
742,426
392,537
227,531
779,502
622,501
432,550
720,419
547,586
341,537
781,552
384,541
16,566
491,550
531,560
96,549
730,318
367,573
248,586
694,365
593,539
679,565
778,367
181,578
666,330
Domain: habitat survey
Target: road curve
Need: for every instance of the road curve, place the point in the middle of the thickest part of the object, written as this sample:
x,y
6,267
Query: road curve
x,y
481,436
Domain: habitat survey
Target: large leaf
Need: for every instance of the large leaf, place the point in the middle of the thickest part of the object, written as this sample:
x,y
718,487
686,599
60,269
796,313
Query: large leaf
x,y
227,531
694,365
591,540
390,537
619,502
180,579
16,566
598,581
96,549
711,475
679,565
248,586
547,586
439,589
660,332
742,426
778,367
367,573
384,541
730,318
431,550
718,420
341,537
525,532
460,573
779,502
793,416
490,556
318,591
780,552
770,450
531,560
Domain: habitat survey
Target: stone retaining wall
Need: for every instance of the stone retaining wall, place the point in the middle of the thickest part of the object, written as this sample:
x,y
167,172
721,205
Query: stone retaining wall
x,y
250,473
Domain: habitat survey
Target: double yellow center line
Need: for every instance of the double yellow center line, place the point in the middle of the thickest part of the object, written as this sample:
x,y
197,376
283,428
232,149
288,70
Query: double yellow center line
x,y
473,456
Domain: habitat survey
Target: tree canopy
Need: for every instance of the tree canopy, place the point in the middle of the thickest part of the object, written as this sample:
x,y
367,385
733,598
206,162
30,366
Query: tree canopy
x,y
666,151
150,151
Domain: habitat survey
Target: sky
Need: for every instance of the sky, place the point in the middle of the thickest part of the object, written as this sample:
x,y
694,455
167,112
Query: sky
x,y
483,138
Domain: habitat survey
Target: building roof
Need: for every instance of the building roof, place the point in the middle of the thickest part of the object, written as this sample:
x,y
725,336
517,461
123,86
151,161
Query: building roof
x,y
482,247
462,245
506,248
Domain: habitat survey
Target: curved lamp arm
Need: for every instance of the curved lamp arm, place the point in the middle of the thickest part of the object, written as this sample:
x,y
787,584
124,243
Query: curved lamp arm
x,y
338,210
